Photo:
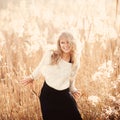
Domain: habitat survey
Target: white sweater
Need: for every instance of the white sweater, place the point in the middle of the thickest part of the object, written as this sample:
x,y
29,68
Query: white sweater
x,y
59,76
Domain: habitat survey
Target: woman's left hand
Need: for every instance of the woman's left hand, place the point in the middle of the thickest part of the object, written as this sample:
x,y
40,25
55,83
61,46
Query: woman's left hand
x,y
76,94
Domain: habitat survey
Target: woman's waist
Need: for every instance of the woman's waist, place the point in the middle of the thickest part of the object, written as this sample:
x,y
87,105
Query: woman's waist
x,y
58,84
55,87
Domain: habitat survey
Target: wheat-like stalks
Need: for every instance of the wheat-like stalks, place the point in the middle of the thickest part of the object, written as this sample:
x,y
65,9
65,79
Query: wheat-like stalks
x,y
24,33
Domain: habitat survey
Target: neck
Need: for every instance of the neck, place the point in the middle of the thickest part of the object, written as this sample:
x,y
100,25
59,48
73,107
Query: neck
x,y
66,56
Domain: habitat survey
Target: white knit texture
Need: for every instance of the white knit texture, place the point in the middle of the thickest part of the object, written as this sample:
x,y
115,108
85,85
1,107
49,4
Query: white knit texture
x,y
59,76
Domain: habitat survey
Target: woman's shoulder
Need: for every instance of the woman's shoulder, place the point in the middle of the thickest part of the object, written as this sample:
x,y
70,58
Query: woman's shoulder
x,y
47,54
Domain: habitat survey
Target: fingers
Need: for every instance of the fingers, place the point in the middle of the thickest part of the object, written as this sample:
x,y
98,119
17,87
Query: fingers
x,y
26,81
76,94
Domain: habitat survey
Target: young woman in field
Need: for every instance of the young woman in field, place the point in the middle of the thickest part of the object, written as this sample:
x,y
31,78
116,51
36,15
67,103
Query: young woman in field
x,y
59,68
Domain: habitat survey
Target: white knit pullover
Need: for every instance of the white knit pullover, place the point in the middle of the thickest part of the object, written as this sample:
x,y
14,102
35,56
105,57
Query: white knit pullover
x,y
59,76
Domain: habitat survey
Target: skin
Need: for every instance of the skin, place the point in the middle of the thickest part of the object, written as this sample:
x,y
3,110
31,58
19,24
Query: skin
x,y
66,49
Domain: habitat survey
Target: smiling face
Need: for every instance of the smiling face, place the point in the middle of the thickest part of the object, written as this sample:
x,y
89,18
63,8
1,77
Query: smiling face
x,y
65,45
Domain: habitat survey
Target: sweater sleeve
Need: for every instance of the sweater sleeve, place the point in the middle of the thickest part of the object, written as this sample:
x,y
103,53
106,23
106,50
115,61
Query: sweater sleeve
x,y
73,78
45,60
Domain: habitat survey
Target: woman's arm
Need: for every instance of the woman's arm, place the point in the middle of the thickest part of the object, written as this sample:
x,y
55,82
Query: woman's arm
x,y
37,72
74,91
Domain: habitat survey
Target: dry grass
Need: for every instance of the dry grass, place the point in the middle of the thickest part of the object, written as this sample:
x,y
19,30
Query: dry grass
x,y
26,27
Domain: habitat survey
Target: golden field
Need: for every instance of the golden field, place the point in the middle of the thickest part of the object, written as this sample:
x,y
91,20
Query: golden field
x,y
29,27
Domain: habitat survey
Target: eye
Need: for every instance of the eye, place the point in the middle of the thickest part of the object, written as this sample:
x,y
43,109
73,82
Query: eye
x,y
68,42
62,42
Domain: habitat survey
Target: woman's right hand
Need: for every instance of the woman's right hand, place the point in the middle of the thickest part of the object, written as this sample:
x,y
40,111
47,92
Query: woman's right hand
x,y
26,81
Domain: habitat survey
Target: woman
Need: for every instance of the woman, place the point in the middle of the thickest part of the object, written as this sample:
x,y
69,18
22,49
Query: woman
x,y
59,68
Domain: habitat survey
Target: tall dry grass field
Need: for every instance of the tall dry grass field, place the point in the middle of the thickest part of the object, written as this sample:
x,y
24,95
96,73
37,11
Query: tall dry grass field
x,y
29,27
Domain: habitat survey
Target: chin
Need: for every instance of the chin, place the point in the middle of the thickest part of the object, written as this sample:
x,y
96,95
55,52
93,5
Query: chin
x,y
66,51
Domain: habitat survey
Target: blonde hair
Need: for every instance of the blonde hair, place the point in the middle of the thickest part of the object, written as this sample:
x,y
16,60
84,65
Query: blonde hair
x,y
57,54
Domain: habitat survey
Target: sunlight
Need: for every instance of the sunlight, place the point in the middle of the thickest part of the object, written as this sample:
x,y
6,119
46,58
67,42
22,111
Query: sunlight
x,y
28,28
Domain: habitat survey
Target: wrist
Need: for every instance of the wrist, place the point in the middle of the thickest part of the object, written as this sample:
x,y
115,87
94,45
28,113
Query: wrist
x,y
31,77
74,90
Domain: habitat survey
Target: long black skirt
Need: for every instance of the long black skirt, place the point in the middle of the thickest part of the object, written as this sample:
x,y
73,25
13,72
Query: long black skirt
x,y
58,105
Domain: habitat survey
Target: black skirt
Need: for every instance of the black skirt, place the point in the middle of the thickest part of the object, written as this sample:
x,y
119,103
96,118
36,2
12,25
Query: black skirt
x,y
58,105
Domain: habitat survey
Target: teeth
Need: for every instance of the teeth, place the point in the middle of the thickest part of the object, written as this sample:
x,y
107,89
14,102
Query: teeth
x,y
66,48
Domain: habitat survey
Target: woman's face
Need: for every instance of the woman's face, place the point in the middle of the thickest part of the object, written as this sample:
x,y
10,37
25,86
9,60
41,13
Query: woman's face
x,y
65,45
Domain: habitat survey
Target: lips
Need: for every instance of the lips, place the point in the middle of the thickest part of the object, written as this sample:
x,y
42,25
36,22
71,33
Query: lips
x,y
66,49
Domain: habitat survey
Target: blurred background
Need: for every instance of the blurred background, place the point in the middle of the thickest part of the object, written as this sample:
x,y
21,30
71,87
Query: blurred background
x,y
28,27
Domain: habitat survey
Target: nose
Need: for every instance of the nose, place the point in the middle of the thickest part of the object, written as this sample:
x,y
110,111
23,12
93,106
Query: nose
x,y
66,44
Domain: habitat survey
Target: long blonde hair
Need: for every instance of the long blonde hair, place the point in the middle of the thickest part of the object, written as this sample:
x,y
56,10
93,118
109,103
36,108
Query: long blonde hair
x,y
57,54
